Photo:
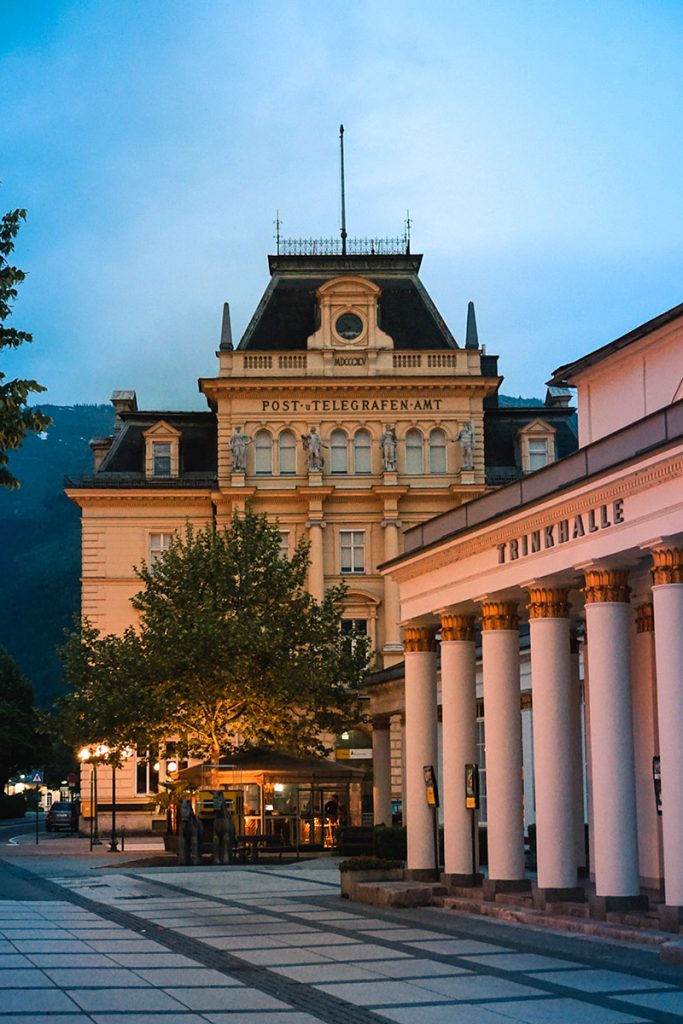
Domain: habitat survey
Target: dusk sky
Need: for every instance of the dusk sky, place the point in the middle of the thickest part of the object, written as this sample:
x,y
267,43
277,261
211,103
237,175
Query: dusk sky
x,y
538,146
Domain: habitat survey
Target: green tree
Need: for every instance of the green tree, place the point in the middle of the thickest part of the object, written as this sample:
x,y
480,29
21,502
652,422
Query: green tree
x,y
17,419
108,704
238,651
18,721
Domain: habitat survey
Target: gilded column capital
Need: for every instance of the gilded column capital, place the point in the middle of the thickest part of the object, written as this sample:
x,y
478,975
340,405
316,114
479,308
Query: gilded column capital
x,y
418,639
499,615
645,618
667,565
548,603
606,585
457,627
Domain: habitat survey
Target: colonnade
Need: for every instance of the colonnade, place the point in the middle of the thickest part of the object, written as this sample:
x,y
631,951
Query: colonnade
x,y
556,736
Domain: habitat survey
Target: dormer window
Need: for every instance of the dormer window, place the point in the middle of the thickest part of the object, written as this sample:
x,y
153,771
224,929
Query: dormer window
x,y
537,445
161,458
162,451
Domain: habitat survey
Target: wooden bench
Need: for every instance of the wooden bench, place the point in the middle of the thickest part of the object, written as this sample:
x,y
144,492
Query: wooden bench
x,y
248,846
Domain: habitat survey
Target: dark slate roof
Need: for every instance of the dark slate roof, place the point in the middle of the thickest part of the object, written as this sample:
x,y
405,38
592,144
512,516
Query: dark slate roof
x,y
286,315
565,374
502,456
124,464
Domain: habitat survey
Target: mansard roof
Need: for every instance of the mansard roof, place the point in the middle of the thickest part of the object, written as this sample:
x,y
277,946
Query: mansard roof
x,y
124,463
286,315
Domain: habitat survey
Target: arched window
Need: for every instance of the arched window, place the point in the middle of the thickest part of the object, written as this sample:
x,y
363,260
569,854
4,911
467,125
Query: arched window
x,y
263,453
287,453
362,452
437,452
414,452
339,452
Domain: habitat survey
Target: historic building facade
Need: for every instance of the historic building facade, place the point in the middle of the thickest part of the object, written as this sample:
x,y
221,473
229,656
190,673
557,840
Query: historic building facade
x,y
348,413
594,542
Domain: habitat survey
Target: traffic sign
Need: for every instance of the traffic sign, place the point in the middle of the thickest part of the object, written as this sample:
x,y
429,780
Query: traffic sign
x,y
35,776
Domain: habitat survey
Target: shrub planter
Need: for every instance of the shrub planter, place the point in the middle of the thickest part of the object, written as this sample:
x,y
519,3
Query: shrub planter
x,y
367,869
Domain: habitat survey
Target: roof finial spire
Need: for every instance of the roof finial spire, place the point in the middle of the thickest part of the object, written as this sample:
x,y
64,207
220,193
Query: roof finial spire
x,y
343,192
471,335
406,232
278,224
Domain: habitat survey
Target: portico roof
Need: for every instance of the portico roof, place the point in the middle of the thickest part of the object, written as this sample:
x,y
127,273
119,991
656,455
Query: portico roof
x,y
649,435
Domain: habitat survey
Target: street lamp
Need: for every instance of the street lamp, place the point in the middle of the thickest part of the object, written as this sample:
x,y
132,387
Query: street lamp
x,y
116,760
87,756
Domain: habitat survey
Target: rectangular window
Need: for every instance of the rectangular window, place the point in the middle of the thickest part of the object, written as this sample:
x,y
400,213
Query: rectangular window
x,y
161,458
352,551
538,453
158,543
350,626
146,773
284,543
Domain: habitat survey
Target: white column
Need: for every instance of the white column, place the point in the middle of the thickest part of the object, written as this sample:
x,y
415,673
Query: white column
x,y
646,745
611,734
552,691
381,772
503,731
420,739
392,604
576,752
316,569
459,740
667,595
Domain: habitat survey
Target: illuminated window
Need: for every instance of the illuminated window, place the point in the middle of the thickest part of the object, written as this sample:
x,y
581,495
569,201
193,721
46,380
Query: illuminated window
x,y
263,453
414,452
146,772
362,452
352,551
287,453
339,452
437,452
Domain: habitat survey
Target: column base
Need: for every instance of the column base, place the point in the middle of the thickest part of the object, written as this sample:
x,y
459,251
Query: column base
x,y
421,875
496,885
453,879
557,894
670,918
601,906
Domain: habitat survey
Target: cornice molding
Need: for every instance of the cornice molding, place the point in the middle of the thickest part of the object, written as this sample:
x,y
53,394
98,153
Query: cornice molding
x,y
635,482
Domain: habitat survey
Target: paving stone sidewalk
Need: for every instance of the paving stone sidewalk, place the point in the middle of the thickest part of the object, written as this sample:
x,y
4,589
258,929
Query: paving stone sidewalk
x,y
276,945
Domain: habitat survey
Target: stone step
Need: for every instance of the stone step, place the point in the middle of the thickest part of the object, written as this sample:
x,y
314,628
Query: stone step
x,y
514,899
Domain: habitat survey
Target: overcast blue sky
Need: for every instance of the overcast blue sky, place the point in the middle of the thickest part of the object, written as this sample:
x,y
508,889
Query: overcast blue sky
x,y
539,147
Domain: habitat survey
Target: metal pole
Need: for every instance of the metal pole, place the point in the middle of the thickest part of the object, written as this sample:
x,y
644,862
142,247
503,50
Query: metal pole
x,y
96,841
37,792
113,846
436,838
92,803
343,191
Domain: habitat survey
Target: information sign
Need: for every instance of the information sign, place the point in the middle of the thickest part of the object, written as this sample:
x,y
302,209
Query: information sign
x,y
430,785
472,787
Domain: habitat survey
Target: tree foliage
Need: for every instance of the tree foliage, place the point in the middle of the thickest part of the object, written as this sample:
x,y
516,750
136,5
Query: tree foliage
x,y
231,649
17,419
18,722
108,703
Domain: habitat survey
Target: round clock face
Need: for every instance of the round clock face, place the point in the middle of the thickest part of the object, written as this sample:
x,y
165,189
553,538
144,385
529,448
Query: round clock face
x,y
349,326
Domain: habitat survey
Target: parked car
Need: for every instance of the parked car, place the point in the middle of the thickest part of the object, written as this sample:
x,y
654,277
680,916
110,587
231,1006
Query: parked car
x,y
62,814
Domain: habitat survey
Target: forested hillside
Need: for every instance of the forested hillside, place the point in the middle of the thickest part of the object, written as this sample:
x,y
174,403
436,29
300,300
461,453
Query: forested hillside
x,y
40,536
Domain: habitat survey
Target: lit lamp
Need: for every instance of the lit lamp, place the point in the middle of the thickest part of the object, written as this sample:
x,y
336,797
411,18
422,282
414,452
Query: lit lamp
x,y
86,756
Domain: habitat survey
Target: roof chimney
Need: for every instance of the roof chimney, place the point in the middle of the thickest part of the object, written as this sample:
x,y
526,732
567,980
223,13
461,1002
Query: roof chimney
x,y
100,446
123,401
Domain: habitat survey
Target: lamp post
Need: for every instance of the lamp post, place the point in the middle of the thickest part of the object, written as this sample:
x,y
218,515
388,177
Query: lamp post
x,y
116,759
91,756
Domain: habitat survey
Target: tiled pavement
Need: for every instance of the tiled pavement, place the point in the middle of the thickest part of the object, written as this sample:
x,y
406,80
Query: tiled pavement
x,y
273,945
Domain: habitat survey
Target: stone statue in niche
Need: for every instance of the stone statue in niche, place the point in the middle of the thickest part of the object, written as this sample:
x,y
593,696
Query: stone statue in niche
x,y
388,444
465,438
313,446
238,445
